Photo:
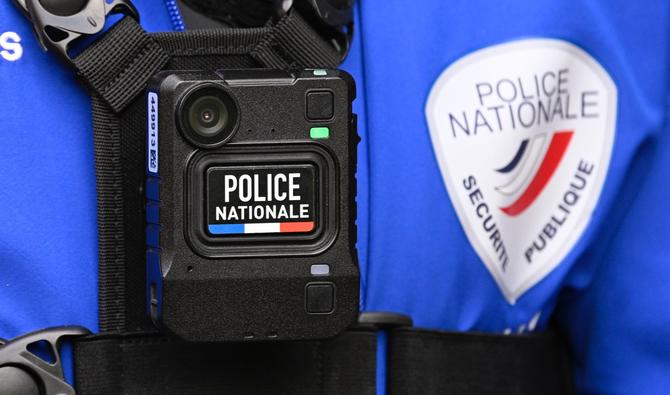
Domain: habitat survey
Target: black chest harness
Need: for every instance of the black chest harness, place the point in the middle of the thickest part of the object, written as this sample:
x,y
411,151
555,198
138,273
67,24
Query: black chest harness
x,y
384,353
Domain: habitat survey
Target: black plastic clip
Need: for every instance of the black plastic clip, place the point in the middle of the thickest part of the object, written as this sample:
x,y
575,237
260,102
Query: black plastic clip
x,y
383,320
23,372
333,22
57,23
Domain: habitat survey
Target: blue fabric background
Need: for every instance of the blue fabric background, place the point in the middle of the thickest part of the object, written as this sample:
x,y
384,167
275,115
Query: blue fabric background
x,y
48,246
611,291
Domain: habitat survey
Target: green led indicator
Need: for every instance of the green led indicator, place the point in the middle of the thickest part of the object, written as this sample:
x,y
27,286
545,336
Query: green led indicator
x,y
319,133
320,72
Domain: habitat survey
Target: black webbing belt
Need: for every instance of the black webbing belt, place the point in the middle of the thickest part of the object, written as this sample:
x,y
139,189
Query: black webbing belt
x,y
129,357
152,364
433,362
418,362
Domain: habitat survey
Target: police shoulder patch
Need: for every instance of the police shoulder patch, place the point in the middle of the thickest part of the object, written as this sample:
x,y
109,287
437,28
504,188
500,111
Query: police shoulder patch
x,y
523,134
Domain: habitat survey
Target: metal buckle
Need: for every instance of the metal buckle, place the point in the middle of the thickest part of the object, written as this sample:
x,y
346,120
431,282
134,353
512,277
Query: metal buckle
x,y
337,24
383,320
57,23
23,372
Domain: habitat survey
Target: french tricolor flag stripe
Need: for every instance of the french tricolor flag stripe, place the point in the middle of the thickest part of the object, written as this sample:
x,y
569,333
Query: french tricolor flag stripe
x,y
250,228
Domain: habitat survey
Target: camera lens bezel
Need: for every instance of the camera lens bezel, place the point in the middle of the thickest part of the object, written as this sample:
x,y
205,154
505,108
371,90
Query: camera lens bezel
x,y
185,107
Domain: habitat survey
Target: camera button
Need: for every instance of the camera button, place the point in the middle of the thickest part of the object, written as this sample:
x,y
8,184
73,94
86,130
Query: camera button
x,y
319,105
152,212
152,188
320,298
153,235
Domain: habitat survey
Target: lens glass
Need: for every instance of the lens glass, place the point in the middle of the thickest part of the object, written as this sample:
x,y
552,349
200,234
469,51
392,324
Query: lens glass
x,y
208,116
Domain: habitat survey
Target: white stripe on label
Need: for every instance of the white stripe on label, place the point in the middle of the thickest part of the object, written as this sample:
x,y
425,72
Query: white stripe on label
x,y
262,228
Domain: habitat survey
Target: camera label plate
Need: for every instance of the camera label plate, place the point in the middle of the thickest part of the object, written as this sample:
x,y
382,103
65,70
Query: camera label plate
x,y
261,199
300,217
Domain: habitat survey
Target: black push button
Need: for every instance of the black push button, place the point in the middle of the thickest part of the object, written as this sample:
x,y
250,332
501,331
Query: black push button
x,y
153,188
320,298
319,105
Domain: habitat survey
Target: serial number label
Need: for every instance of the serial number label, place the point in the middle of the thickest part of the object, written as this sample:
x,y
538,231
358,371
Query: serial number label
x,y
261,199
152,132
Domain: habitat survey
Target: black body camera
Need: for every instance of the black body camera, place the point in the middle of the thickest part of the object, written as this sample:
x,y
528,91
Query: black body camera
x,y
251,204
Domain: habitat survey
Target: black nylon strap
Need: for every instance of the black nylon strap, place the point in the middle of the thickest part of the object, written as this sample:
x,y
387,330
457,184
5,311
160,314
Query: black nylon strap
x,y
432,362
111,254
294,43
418,362
153,364
118,65
115,69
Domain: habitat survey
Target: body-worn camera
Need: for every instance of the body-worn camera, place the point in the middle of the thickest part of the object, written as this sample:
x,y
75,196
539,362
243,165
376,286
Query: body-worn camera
x,y
251,204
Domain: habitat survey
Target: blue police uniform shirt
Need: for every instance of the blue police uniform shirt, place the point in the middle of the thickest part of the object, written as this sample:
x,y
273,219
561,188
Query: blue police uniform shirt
x,y
513,170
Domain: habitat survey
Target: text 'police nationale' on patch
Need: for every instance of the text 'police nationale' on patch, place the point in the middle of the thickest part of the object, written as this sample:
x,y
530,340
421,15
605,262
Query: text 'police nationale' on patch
x,y
523,135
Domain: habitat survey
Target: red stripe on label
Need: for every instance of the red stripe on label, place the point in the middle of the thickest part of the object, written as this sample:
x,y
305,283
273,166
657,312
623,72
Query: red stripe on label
x,y
289,227
557,147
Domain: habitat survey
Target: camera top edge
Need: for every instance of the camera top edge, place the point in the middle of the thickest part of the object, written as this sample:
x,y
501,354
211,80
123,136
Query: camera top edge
x,y
211,106
251,77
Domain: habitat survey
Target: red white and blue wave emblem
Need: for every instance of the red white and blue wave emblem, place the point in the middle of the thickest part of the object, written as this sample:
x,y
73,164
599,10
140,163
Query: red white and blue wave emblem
x,y
531,168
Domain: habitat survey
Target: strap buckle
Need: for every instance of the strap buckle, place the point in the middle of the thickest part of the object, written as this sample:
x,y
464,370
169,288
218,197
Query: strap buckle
x,y
335,23
379,320
57,23
23,372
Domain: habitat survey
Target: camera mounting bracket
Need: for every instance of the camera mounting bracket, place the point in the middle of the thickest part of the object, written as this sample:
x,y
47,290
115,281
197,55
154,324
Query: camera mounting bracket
x,y
58,23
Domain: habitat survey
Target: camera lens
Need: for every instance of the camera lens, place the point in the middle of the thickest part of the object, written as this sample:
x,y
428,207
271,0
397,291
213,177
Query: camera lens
x,y
208,116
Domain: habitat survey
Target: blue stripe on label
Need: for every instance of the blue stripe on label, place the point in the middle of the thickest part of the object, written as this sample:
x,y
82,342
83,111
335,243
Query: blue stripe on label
x,y
223,229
